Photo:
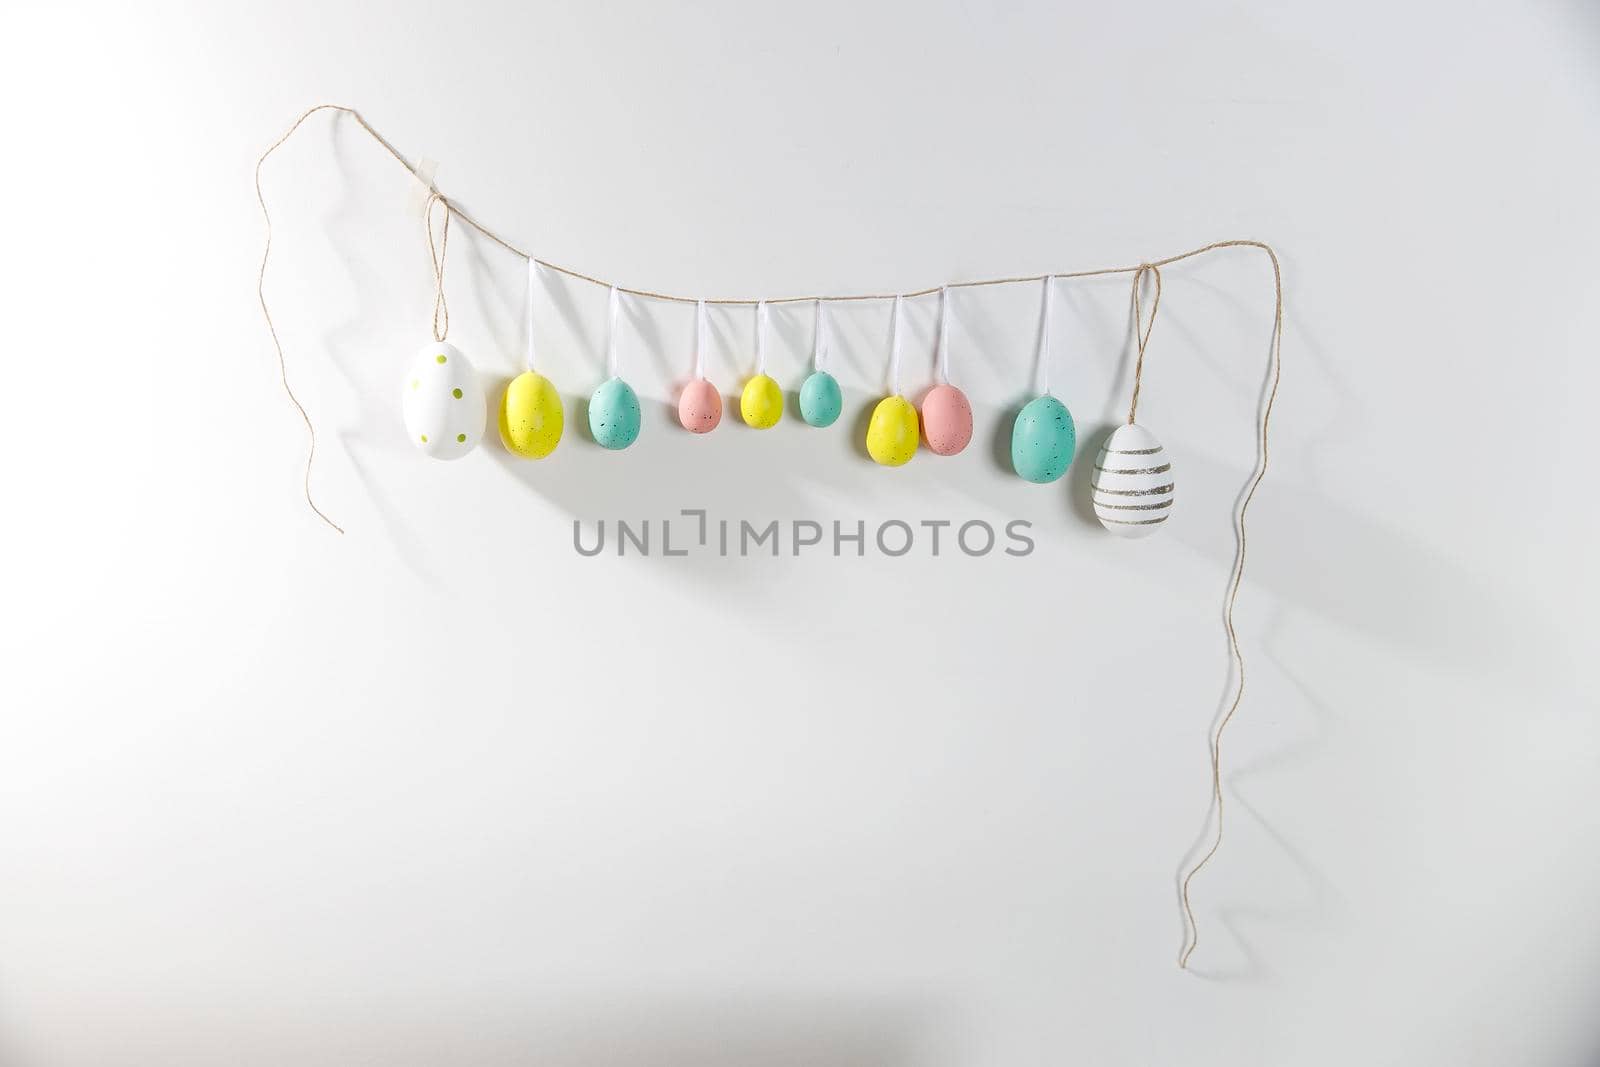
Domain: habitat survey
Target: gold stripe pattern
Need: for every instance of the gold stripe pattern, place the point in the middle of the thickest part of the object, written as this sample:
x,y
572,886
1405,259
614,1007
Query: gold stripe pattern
x,y
1134,507
1158,490
1164,468
1135,522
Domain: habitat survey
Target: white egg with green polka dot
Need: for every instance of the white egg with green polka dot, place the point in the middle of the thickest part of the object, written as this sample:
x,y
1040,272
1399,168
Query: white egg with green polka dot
x,y
444,405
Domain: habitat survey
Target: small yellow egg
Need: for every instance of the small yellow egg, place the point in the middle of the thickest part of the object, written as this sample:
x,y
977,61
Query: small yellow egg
x,y
761,403
530,416
892,433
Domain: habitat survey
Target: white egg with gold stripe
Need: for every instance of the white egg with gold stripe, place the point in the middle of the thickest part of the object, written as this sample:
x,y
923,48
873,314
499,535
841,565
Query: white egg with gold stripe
x,y
1132,483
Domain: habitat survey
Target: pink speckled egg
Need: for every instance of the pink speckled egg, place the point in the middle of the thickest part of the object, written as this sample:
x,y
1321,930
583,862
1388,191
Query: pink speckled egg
x,y
700,407
946,420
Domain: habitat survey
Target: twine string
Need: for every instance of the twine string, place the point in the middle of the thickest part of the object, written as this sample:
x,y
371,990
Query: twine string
x,y
1142,330
468,220
1142,338
441,310
1236,578
266,313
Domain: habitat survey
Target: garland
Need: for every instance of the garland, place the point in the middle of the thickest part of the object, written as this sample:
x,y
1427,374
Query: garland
x,y
445,408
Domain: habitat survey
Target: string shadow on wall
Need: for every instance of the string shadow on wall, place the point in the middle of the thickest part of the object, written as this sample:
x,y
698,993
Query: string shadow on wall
x,y
348,344
1322,903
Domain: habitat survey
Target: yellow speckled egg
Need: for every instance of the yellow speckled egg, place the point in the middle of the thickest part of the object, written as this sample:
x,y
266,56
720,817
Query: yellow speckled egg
x,y
761,403
892,433
530,416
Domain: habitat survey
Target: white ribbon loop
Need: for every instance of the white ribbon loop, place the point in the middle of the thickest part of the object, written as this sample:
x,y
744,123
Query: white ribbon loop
x,y
944,334
699,338
894,349
1044,336
761,337
819,347
613,356
533,280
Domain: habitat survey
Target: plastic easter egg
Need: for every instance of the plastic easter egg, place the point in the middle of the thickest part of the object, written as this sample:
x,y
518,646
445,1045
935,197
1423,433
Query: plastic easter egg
x,y
700,407
443,403
614,414
531,419
761,403
946,420
1132,483
1043,440
892,433
820,400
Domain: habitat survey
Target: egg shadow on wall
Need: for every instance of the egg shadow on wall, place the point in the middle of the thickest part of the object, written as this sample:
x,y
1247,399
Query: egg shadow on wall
x,y
859,428
1081,474
578,420
666,413
1321,899
1000,437
1071,496
786,473
727,473
408,547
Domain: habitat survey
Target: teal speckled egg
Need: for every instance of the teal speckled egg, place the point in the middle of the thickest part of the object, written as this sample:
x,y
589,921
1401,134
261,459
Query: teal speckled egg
x,y
1043,440
614,414
820,402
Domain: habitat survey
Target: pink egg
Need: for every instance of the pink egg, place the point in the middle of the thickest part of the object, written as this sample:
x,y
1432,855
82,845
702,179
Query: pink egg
x,y
946,420
700,407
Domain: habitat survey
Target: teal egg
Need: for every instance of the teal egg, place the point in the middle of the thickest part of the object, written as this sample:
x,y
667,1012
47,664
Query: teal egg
x,y
614,414
1043,440
820,402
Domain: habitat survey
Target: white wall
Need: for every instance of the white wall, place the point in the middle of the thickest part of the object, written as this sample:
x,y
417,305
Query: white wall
x,y
441,791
